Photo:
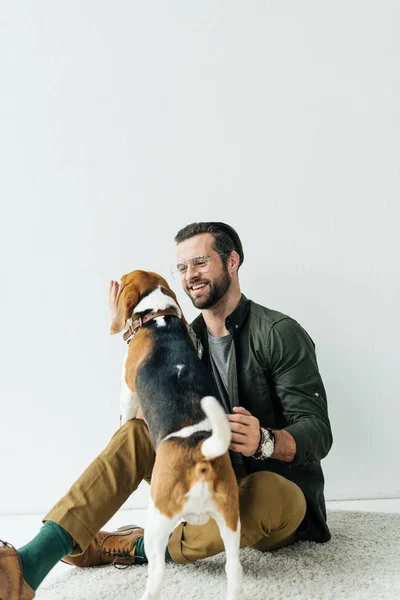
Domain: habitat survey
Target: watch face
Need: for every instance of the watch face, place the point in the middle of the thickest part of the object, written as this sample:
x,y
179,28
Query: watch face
x,y
268,446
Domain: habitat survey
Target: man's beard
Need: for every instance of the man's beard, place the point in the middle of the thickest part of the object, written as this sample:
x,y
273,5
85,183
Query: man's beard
x,y
217,290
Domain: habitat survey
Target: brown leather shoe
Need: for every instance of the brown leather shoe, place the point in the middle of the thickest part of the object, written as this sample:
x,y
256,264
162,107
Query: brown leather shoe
x,y
12,584
117,547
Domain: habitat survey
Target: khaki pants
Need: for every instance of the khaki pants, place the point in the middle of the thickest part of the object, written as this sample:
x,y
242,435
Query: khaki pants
x,y
271,507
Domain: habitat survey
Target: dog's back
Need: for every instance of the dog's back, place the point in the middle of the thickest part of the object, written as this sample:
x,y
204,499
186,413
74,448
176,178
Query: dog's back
x,y
171,381
188,426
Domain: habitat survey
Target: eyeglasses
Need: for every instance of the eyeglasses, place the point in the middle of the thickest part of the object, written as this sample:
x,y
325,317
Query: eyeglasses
x,y
200,263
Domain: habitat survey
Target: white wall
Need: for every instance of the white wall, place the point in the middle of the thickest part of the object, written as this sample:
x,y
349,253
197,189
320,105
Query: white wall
x,y
120,123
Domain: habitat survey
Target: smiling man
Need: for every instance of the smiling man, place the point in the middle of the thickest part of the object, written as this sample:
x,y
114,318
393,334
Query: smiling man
x,y
210,279
265,375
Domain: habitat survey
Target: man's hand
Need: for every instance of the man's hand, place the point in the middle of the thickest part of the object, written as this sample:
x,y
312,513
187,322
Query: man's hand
x,y
245,431
112,296
246,436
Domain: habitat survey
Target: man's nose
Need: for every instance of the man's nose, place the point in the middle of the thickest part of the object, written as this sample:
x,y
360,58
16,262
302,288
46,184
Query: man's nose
x,y
190,272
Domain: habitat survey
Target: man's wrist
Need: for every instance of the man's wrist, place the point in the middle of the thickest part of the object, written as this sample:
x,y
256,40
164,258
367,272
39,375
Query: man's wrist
x,y
285,446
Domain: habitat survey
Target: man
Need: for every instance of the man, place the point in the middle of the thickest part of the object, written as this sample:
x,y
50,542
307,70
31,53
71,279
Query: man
x,y
266,376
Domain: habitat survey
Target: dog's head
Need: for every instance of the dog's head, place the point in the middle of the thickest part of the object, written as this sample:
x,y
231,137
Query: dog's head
x,y
134,287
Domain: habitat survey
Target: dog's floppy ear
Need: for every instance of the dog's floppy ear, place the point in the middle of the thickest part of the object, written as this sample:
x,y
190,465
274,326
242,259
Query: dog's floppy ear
x,y
127,299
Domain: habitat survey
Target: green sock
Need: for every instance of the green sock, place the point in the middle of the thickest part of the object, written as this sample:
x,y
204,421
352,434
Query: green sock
x,y
139,551
40,555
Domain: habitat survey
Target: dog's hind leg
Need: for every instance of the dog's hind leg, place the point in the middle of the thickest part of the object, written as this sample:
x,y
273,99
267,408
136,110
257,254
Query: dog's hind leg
x,y
156,536
233,568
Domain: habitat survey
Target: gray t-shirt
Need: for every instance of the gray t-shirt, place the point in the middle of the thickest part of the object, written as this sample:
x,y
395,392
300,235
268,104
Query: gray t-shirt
x,y
220,348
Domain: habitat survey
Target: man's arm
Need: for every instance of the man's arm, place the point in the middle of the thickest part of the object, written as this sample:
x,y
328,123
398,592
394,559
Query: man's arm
x,y
300,391
285,446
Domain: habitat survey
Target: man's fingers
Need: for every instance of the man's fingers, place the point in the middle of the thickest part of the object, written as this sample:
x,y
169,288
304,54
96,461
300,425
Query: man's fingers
x,y
245,420
112,296
236,447
238,438
112,290
239,428
241,410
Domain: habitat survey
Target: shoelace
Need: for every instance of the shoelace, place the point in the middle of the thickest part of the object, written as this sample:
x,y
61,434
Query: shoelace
x,y
127,559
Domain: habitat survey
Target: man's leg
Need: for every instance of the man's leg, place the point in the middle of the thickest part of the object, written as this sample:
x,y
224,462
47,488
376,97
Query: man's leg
x,y
92,500
106,484
271,510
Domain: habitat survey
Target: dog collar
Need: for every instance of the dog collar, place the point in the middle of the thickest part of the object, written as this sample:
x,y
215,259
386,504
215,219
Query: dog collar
x,y
138,322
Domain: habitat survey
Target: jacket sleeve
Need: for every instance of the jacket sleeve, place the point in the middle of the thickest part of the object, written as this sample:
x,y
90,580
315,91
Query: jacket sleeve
x,y
299,389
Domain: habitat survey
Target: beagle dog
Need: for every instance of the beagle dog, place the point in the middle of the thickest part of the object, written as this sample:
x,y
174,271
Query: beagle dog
x,y
192,478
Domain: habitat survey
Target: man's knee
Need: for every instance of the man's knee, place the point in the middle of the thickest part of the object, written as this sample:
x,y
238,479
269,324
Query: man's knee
x,y
295,505
134,430
268,493
133,426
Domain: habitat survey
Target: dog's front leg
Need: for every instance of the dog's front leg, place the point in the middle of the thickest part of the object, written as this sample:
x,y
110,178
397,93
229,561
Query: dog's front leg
x,y
128,400
156,536
129,404
233,568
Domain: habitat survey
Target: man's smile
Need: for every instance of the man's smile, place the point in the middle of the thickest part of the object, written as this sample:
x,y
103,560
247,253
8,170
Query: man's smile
x,y
197,286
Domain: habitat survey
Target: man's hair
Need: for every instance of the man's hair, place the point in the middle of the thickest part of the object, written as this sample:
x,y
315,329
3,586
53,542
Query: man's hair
x,y
225,237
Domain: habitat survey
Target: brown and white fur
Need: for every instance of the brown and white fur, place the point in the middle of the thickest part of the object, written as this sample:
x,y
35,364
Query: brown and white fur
x,y
192,478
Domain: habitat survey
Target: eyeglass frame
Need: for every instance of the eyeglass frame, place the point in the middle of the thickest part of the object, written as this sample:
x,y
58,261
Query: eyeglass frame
x,y
175,271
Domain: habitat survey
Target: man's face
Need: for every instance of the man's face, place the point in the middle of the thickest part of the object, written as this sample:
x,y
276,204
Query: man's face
x,y
204,289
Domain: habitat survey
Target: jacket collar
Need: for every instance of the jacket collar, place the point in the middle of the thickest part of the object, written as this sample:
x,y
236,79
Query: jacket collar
x,y
233,322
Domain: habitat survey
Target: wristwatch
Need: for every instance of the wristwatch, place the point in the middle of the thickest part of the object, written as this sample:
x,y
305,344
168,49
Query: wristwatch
x,y
267,444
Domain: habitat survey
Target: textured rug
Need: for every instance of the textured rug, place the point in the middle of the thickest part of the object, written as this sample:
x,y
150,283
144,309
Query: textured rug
x,y
361,561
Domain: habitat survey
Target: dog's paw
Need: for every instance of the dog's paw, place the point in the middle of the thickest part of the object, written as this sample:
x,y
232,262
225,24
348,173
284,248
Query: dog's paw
x,y
236,595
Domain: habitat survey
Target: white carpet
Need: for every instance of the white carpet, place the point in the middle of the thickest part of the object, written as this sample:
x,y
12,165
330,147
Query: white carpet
x,y
361,561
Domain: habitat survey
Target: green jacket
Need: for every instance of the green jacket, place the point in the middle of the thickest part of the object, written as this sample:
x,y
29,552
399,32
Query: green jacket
x,y
273,373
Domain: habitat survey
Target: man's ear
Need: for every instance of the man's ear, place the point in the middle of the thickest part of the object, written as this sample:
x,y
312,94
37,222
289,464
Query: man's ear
x,y
126,301
234,260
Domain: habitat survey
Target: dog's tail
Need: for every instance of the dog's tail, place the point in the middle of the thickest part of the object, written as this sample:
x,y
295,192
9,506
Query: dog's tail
x,y
218,443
